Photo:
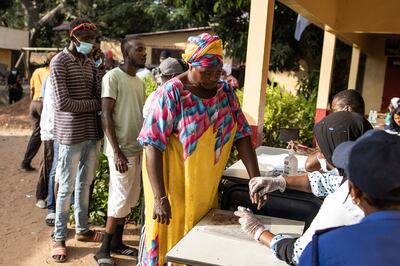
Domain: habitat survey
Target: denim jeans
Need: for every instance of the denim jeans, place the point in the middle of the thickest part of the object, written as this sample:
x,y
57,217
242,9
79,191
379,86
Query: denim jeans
x,y
51,200
75,170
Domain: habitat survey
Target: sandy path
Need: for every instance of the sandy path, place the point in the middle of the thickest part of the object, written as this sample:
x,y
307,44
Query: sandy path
x,y
25,238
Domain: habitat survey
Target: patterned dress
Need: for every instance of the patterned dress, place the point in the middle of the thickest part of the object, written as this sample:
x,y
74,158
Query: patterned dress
x,y
196,136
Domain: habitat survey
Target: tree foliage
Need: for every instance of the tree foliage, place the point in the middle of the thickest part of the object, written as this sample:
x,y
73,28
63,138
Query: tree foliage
x,y
116,18
230,20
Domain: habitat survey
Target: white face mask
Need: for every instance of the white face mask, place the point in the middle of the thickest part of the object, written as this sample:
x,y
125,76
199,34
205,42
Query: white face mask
x,y
323,164
324,167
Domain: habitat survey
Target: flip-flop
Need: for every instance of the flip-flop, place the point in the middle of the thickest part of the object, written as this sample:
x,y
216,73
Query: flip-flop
x,y
125,250
90,236
50,219
107,261
59,251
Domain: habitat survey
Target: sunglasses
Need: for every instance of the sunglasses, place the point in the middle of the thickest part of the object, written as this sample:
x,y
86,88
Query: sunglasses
x,y
83,26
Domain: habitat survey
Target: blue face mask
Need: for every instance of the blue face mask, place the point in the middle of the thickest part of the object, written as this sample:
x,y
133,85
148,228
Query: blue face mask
x,y
84,47
98,62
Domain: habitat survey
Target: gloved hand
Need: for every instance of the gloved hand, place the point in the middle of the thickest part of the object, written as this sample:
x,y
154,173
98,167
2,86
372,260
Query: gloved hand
x,y
261,185
250,223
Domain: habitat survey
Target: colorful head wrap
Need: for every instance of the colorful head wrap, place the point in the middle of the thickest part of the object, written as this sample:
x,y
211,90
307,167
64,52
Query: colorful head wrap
x,y
203,50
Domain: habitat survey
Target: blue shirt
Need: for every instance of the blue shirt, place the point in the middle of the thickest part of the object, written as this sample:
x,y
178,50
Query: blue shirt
x,y
374,241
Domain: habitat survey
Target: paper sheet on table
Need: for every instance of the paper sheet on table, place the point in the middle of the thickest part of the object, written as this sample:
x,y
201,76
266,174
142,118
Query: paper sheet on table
x,y
277,161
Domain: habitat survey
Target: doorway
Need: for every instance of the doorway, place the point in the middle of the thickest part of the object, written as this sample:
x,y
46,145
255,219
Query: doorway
x,y
391,86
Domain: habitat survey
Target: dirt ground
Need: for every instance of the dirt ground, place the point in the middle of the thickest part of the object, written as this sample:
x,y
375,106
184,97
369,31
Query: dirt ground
x,y
25,238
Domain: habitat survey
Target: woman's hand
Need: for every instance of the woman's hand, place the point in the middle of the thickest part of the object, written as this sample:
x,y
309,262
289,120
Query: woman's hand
x,y
250,224
162,210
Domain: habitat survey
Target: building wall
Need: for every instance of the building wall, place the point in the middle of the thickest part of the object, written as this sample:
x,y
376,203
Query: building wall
x,y
287,79
374,77
13,39
5,57
167,41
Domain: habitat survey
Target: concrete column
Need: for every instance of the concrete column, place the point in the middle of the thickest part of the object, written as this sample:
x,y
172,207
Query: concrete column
x,y
355,60
325,75
257,65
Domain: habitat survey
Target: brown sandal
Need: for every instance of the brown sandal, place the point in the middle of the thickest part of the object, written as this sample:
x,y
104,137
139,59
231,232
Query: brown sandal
x,y
90,236
59,254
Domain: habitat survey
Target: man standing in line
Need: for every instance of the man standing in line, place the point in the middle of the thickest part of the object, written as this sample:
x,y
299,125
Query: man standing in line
x,y
77,89
35,110
123,97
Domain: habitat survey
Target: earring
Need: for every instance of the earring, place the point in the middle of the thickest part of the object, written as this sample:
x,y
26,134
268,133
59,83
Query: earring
x,y
356,202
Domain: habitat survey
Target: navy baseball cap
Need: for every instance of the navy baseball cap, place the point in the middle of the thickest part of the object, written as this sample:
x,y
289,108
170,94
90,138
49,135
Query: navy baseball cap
x,y
372,163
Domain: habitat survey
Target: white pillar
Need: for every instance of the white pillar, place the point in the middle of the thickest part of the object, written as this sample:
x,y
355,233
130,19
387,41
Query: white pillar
x,y
257,64
325,75
355,60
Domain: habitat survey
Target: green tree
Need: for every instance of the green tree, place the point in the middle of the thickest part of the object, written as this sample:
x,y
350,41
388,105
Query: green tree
x,y
230,20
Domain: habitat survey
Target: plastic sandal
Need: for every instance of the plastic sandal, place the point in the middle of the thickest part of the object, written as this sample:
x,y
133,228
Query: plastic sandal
x,y
59,251
108,261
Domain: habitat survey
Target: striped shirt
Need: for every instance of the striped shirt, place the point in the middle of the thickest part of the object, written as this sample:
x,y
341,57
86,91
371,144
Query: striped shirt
x,y
77,89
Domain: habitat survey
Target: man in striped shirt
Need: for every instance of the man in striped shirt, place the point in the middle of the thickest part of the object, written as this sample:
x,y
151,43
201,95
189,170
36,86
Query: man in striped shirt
x,y
77,90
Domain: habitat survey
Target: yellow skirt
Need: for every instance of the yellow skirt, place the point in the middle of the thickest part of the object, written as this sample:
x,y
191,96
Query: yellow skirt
x,y
191,186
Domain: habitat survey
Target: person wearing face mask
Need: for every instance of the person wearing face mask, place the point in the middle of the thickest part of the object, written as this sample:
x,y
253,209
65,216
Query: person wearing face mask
x,y
75,80
194,120
14,86
333,130
372,166
346,100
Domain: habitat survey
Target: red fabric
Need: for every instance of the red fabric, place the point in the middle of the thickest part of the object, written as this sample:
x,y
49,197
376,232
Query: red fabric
x,y
109,54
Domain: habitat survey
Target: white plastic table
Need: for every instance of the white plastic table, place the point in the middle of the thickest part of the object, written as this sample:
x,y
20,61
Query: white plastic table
x,y
218,240
269,158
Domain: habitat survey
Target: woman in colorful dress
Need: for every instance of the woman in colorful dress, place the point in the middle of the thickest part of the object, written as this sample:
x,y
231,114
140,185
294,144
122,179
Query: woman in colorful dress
x,y
194,120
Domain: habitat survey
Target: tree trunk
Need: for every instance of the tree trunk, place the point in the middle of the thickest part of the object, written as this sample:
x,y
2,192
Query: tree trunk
x,y
31,13
44,20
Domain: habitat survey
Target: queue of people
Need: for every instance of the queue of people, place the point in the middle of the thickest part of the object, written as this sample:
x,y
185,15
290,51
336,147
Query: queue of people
x,y
179,141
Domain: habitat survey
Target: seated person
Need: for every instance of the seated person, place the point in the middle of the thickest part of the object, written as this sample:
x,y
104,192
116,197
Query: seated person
x,y
372,165
394,125
394,103
333,130
346,100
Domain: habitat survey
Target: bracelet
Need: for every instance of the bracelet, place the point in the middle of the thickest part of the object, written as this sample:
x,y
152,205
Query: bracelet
x,y
162,198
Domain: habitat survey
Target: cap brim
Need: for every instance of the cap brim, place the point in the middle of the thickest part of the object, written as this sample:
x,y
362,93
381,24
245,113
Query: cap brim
x,y
341,155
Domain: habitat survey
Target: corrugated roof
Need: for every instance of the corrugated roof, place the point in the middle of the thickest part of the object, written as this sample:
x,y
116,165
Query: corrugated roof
x,y
167,32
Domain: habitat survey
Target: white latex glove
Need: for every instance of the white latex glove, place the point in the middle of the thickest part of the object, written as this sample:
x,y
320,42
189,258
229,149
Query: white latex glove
x,y
260,186
250,223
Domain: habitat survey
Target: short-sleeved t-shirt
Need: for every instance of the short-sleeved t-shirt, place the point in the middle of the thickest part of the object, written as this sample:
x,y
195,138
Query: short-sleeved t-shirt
x,y
129,94
37,79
